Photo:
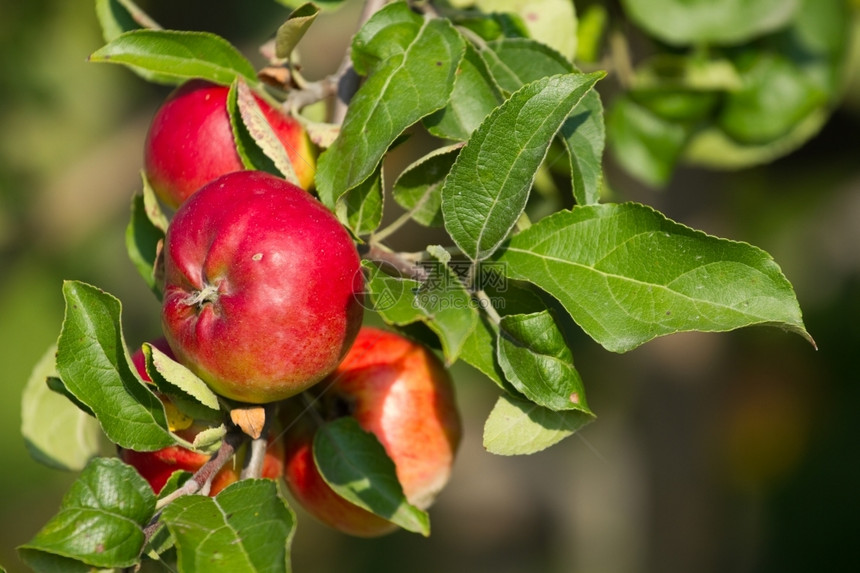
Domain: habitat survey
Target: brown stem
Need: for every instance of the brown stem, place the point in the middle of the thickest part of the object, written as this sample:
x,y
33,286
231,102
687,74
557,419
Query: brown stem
x,y
405,267
201,478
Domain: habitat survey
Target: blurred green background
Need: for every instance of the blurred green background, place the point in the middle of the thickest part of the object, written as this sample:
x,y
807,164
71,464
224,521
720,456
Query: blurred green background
x,y
731,452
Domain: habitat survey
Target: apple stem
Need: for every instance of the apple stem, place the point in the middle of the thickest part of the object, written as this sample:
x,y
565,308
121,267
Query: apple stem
x,y
201,479
376,253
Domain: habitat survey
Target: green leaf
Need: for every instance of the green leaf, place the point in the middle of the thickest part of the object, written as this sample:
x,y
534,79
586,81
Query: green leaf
x,y
249,151
118,16
144,236
519,427
326,5
101,518
418,189
479,350
247,527
646,145
713,148
401,89
178,56
681,22
441,302
584,136
535,358
474,96
448,307
591,33
516,62
56,385
190,393
388,33
95,367
553,22
488,187
355,465
775,96
816,45
492,26
627,274
361,208
692,72
57,433
291,32
262,133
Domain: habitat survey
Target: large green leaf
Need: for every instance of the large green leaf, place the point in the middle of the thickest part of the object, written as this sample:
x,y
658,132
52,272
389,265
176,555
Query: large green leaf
x,y
95,367
100,521
535,358
56,432
627,274
355,465
412,70
518,427
178,55
488,187
515,62
247,528
709,21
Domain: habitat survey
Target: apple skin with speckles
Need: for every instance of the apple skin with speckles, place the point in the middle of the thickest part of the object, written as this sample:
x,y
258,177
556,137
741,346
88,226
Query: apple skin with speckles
x,y
262,287
190,142
401,392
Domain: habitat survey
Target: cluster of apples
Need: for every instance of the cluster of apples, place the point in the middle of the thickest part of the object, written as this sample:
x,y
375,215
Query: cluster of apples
x,y
262,299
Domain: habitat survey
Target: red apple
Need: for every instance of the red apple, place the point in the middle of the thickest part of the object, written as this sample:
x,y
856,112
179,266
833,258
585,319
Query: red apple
x,y
262,293
190,142
398,390
156,467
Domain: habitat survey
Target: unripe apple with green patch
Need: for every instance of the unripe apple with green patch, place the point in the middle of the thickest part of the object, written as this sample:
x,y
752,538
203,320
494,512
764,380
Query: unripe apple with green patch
x,y
262,287
157,466
190,142
401,392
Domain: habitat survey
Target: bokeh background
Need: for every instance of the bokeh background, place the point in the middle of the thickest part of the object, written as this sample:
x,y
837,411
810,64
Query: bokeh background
x,y
731,452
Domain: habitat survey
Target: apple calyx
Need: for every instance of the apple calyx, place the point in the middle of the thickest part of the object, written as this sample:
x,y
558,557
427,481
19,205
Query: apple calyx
x,y
209,294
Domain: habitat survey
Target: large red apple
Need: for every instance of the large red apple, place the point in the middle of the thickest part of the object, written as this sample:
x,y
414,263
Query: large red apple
x,y
262,293
398,390
156,467
190,142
